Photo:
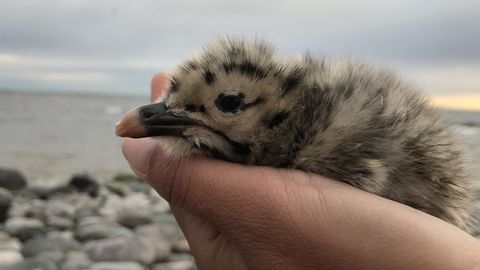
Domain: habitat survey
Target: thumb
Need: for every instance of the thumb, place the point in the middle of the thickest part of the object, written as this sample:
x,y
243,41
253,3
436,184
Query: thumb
x,y
215,190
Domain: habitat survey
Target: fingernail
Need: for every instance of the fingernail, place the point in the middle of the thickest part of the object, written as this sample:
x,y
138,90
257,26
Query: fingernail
x,y
138,153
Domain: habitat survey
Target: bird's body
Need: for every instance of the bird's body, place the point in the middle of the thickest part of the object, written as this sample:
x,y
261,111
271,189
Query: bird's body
x,y
241,102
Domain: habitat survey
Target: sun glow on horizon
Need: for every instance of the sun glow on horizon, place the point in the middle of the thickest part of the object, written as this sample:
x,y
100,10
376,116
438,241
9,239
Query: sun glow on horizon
x,y
458,102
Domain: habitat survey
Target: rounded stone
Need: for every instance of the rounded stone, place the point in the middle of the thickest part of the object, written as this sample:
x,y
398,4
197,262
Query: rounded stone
x,y
9,243
181,246
85,183
59,208
31,208
178,265
12,179
42,262
9,257
156,235
59,223
136,249
63,242
93,227
117,266
76,260
5,202
24,228
134,210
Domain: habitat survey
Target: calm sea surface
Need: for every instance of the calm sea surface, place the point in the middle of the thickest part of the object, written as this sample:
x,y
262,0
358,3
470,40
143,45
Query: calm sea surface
x,y
52,135
55,135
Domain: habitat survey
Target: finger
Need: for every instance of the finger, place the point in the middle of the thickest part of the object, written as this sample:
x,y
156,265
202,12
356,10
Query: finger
x,y
160,84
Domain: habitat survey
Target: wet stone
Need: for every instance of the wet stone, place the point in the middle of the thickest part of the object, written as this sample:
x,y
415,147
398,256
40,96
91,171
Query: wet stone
x,y
39,262
9,243
9,258
12,179
55,241
24,228
93,227
177,265
85,183
117,266
181,246
137,249
134,210
5,202
155,234
76,260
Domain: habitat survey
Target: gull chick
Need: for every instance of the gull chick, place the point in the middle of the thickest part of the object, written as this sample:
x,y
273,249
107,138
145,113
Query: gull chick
x,y
240,101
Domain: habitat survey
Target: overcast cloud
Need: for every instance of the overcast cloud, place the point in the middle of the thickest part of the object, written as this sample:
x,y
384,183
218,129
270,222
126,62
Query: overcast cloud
x,y
117,45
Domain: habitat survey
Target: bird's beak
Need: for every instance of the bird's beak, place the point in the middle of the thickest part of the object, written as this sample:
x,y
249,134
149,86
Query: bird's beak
x,y
152,120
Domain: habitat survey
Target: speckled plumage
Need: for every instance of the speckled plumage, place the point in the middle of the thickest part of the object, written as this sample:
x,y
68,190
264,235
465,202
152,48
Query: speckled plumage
x,y
344,120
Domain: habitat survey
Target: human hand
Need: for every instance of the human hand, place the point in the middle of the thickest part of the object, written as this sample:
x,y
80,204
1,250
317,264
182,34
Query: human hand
x,y
249,217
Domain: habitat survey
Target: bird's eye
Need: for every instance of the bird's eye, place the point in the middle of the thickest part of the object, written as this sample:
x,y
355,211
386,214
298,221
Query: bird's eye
x,y
229,103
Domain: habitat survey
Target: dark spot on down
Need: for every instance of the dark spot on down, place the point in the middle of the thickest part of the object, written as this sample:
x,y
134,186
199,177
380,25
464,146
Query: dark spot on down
x,y
291,82
191,65
174,85
277,119
209,77
246,68
191,108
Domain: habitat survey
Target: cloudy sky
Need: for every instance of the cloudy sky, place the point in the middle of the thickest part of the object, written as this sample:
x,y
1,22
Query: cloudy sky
x,y
116,46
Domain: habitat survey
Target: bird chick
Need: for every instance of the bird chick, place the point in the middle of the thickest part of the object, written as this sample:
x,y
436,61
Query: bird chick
x,y
240,101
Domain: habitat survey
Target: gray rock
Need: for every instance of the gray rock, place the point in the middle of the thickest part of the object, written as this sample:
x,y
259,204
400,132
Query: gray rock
x,y
4,236
84,205
117,188
12,179
119,231
156,235
125,177
59,223
117,266
62,242
9,243
181,246
37,263
175,257
59,214
26,207
85,183
9,258
178,265
137,249
47,189
59,208
24,228
134,210
5,202
52,255
76,260
169,226
140,186
93,227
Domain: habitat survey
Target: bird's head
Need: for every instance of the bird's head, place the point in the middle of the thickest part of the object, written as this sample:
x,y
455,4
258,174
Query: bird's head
x,y
232,100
